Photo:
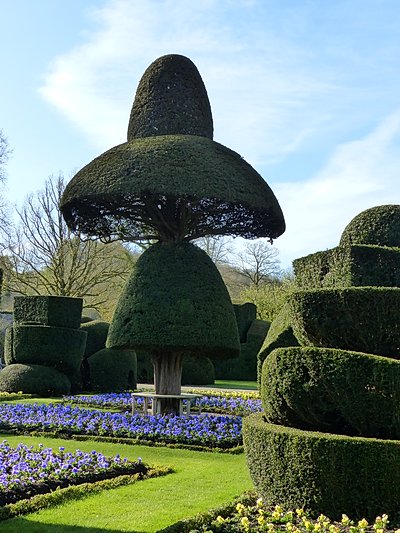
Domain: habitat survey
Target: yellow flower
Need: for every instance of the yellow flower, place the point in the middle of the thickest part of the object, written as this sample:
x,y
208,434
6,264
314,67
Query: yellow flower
x,y
333,529
259,502
278,509
317,527
363,523
299,512
245,523
385,518
220,519
345,520
240,508
289,526
261,520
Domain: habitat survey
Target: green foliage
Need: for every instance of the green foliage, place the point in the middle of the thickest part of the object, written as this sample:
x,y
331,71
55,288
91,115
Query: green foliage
x,y
9,346
344,266
269,298
182,108
58,311
245,314
60,348
145,370
332,390
97,331
245,366
362,319
175,300
280,334
321,472
378,225
112,370
34,379
197,371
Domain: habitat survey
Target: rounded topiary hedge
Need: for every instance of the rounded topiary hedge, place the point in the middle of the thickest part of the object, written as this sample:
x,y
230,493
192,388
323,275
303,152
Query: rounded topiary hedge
x,y
332,390
57,311
112,370
176,300
34,379
61,348
321,472
97,331
378,225
197,371
361,319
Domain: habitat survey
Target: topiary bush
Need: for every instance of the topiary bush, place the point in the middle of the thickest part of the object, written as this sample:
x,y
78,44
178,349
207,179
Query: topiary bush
x,y
362,319
60,348
332,390
34,379
112,370
58,311
321,472
197,371
378,225
97,331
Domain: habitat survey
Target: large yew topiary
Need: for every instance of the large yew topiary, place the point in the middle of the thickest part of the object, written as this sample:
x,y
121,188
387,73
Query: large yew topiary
x,y
171,183
315,445
34,379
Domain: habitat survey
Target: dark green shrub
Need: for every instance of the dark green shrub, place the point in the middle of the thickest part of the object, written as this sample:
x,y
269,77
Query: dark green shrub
x,y
34,379
97,331
197,371
9,346
245,315
280,334
362,319
175,300
321,472
112,370
378,225
58,311
345,266
60,348
245,366
145,370
338,391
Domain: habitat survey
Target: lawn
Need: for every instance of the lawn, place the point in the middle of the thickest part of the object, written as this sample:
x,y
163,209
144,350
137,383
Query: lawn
x,y
201,481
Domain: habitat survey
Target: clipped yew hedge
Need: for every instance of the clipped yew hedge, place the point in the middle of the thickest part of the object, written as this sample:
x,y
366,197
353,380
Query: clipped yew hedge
x,y
58,311
34,379
361,319
112,370
332,390
97,331
197,371
321,472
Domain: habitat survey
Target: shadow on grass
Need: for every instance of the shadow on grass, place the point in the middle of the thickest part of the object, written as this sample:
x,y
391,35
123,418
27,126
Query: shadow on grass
x,y
21,525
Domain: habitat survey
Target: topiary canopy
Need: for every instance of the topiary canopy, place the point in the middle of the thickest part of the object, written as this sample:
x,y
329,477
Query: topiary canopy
x,y
171,181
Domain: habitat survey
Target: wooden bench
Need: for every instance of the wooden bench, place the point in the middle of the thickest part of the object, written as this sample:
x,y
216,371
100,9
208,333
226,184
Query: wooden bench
x,y
184,402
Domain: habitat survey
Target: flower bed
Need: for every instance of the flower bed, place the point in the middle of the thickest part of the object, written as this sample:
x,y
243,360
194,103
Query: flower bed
x,y
210,431
26,471
239,404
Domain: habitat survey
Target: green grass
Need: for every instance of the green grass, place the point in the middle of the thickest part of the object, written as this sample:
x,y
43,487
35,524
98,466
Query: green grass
x,y
201,481
245,385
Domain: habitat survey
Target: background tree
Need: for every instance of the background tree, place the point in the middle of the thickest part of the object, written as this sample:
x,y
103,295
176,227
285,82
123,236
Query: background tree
x,y
5,152
258,263
45,258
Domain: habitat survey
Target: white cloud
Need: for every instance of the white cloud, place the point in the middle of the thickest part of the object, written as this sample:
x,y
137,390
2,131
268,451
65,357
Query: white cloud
x,y
360,174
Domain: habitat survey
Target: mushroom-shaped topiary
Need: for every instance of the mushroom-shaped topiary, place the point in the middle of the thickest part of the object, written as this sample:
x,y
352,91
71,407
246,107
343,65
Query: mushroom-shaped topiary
x,y
172,183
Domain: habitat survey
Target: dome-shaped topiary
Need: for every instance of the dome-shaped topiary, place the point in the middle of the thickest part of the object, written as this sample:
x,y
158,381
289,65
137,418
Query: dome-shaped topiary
x,y
34,379
97,331
112,370
197,371
171,181
378,225
175,300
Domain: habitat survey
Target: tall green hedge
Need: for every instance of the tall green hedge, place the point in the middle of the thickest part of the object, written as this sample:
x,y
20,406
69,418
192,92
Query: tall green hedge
x,y
321,472
345,266
175,300
197,371
112,370
34,379
332,390
97,331
362,319
58,311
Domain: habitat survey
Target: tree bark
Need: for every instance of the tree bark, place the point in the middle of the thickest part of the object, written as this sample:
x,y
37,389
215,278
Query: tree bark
x,y
167,379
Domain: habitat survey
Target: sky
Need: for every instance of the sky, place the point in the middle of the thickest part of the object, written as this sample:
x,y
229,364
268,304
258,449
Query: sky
x,y
307,91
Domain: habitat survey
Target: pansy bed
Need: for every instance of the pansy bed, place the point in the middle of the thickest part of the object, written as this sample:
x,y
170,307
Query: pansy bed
x,y
26,471
239,404
217,431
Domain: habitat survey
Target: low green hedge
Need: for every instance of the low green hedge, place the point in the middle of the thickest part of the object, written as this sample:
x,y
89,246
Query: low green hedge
x,y
97,331
58,311
280,334
321,472
112,370
332,390
362,319
197,371
60,348
34,379
345,266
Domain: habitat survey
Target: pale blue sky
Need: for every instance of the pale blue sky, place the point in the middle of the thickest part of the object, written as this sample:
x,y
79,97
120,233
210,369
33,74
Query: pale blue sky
x,y
307,91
